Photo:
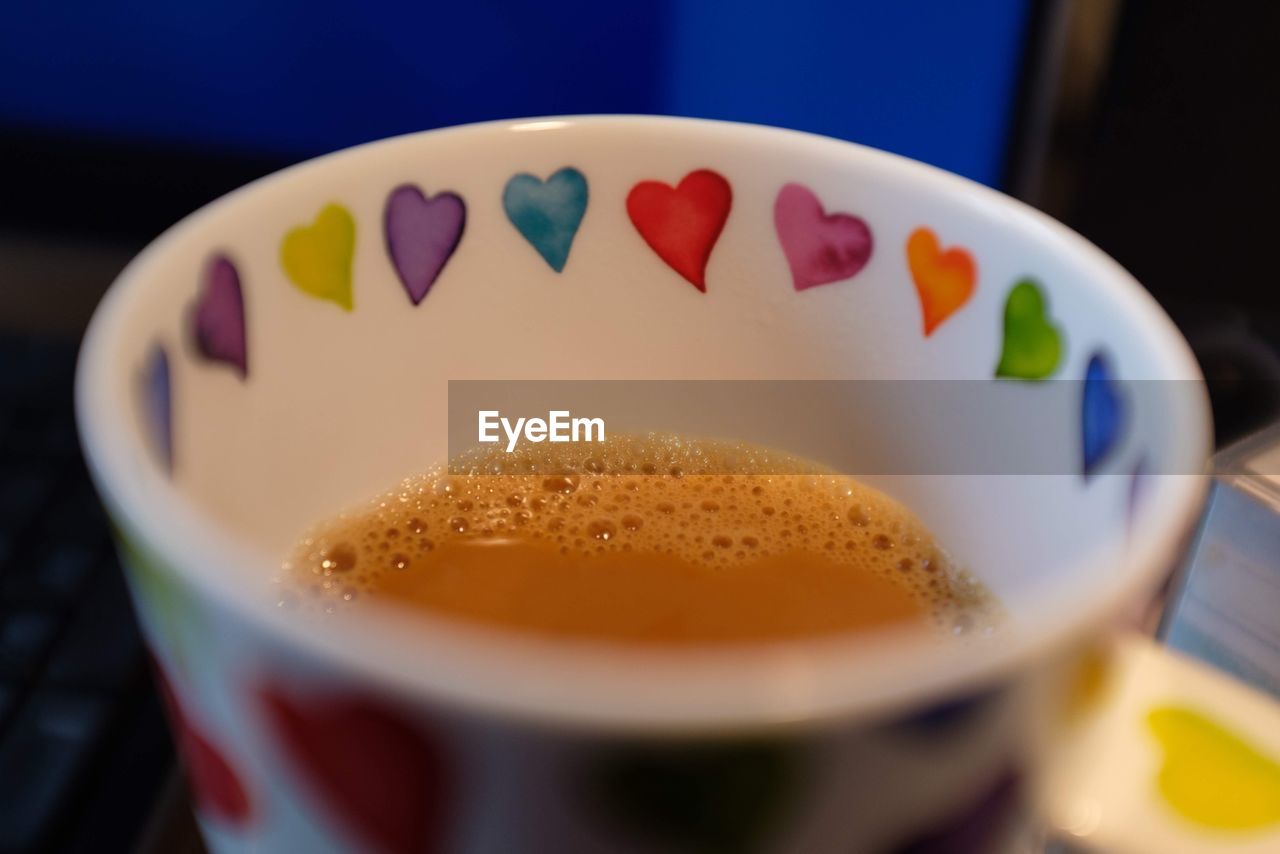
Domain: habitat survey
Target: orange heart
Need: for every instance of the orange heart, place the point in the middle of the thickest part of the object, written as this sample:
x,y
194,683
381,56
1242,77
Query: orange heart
x,y
944,280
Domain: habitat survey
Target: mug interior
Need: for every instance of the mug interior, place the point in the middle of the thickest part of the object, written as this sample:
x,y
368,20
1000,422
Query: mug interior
x,y
340,390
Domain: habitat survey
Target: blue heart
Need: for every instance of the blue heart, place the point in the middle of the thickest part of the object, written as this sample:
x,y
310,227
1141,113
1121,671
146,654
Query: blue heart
x,y
157,404
547,213
1101,413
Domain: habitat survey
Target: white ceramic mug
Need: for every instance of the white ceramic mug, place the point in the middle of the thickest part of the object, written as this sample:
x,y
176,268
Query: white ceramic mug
x,y
284,353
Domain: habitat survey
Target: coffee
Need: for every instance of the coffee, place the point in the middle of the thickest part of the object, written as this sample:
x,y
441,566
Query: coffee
x,y
656,540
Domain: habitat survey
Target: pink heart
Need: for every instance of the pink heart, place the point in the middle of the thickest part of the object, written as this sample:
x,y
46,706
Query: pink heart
x,y
820,247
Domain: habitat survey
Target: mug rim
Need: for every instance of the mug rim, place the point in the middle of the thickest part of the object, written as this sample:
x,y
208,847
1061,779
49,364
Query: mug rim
x,y
588,684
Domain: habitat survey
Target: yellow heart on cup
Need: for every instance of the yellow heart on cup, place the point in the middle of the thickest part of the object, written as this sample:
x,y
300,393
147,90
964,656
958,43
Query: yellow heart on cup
x,y
317,258
1211,775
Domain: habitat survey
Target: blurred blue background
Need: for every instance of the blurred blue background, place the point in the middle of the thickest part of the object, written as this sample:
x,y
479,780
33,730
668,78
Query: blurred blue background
x,y
932,79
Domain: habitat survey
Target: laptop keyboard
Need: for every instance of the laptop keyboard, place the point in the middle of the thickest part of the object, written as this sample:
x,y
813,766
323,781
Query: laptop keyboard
x,y
74,689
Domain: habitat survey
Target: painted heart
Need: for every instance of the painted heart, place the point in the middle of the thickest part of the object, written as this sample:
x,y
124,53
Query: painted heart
x,y
1032,345
372,769
157,404
317,258
820,247
1211,775
947,718
549,212
1092,674
215,786
682,224
945,279
174,617
421,235
1137,489
217,320
1102,413
722,796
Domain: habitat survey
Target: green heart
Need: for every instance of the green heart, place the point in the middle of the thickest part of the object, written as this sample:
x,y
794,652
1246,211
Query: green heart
x,y
697,798
317,257
174,617
1032,344
1213,776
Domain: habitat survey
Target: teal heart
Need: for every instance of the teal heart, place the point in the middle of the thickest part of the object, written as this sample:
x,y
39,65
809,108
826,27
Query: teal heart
x,y
549,212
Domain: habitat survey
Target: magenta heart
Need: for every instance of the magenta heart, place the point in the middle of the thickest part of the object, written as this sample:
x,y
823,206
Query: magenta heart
x,y
820,247
421,235
218,324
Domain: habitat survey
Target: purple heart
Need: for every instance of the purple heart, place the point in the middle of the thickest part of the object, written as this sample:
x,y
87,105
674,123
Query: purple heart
x,y
218,319
157,404
1137,488
421,235
820,247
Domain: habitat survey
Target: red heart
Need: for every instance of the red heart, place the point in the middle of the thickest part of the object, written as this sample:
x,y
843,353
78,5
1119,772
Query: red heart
x,y
375,770
215,787
682,224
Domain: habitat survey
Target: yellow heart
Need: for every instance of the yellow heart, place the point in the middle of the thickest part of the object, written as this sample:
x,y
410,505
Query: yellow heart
x,y
1212,775
317,257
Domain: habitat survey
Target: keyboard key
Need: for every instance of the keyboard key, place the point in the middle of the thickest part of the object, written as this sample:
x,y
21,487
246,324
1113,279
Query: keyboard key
x,y
24,637
33,367
76,516
42,432
23,493
40,756
100,648
51,576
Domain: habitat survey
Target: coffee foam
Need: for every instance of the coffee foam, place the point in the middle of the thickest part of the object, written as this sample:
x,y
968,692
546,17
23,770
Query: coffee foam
x,y
649,494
